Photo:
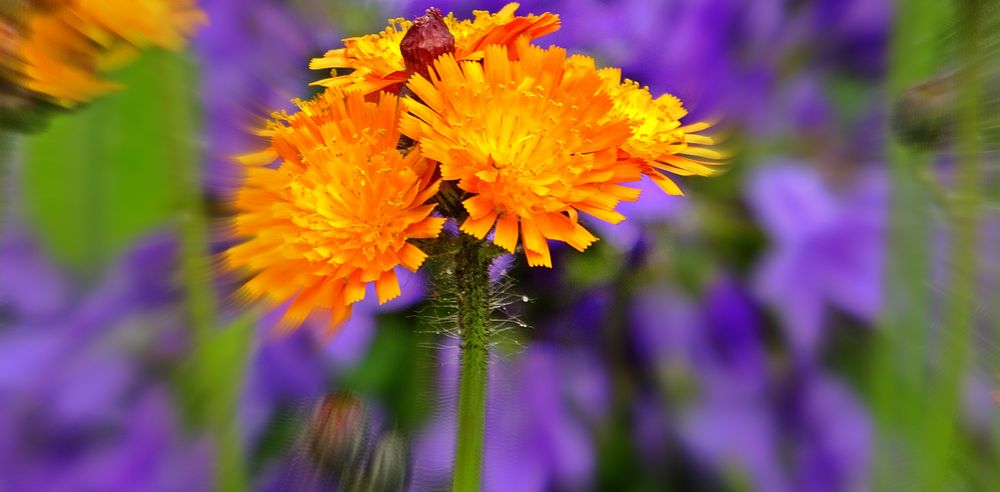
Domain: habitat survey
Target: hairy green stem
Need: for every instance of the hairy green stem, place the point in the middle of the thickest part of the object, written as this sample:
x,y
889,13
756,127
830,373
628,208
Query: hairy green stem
x,y
471,272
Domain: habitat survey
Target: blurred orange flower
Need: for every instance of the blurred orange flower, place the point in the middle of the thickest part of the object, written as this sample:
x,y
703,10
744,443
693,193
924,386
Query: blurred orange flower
x,y
68,43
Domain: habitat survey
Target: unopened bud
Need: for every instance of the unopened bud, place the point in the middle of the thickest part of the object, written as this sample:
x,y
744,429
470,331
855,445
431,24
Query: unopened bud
x,y
426,40
923,113
337,434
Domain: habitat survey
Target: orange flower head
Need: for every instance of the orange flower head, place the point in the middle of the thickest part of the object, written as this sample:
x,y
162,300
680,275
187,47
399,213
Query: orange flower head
x,y
532,141
378,63
659,143
339,211
70,42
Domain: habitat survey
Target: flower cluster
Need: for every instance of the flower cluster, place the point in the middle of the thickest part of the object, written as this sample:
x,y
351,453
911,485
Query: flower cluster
x,y
59,48
519,139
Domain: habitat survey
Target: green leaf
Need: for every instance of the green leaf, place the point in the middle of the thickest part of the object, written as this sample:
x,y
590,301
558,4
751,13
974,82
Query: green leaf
x,y
101,176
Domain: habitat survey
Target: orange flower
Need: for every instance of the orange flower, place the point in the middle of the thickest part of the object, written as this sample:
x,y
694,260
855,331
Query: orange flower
x,y
378,63
69,43
338,213
659,142
526,138
532,139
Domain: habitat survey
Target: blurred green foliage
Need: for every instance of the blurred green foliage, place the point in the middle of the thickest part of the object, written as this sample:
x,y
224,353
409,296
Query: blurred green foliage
x,y
100,177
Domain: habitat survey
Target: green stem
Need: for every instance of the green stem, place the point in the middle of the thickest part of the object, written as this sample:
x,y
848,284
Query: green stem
x,y
219,395
960,304
8,156
472,281
193,227
898,388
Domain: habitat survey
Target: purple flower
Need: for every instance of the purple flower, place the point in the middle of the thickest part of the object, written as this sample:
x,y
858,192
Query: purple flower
x,y
818,424
856,31
826,247
733,411
30,287
254,61
76,411
146,451
718,345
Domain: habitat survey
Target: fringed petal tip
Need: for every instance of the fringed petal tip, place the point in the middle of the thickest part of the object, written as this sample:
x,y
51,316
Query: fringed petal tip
x,y
478,227
538,259
387,287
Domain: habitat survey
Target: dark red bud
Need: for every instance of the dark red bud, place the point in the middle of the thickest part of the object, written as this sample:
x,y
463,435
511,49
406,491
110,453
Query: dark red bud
x,y
425,41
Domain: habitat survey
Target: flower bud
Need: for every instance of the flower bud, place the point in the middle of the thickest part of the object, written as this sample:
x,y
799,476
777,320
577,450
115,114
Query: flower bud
x,y
426,40
922,115
337,434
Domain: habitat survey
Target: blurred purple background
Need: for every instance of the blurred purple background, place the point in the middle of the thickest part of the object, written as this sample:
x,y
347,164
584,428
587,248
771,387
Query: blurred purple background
x,y
711,342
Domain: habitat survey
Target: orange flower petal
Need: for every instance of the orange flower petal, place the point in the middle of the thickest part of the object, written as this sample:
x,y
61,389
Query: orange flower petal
x,y
506,232
387,287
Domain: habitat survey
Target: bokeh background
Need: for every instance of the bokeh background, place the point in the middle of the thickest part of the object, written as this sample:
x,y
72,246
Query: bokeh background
x,y
822,317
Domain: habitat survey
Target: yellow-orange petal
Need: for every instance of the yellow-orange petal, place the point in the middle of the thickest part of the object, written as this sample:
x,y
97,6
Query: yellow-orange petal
x,y
506,232
478,207
411,257
666,184
479,227
427,228
536,248
354,291
387,287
